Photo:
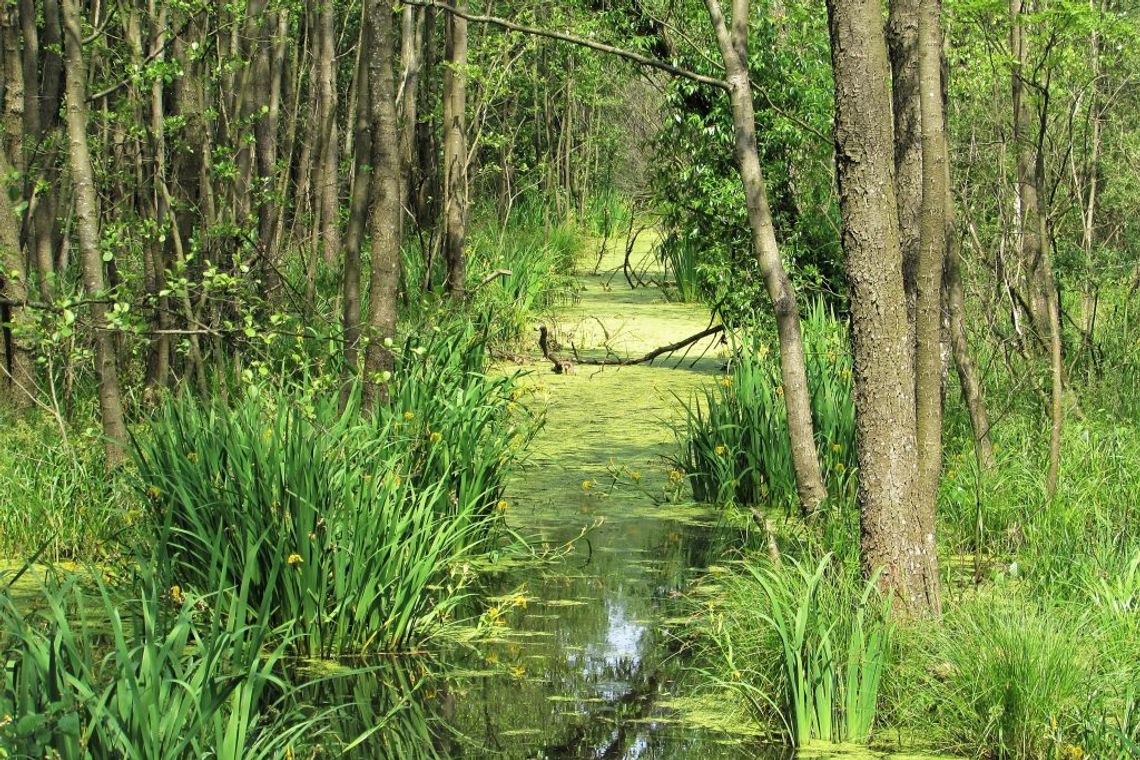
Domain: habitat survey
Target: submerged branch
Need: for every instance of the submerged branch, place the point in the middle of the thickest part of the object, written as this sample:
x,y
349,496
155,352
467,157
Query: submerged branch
x,y
655,353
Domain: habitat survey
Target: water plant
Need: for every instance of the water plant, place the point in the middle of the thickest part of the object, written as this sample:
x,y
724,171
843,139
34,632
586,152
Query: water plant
x,y
806,642
354,525
145,674
734,440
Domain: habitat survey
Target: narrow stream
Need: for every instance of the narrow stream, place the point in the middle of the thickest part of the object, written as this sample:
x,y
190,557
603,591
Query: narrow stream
x,y
585,669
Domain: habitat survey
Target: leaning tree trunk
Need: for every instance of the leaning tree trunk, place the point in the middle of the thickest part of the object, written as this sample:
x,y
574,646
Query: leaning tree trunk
x,y
797,396
87,225
384,224
455,152
893,520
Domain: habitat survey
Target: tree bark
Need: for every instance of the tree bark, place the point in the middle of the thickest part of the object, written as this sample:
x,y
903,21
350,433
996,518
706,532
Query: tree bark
x,y
455,152
902,39
327,182
931,256
384,223
1036,256
358,211
971,383
87,225
894,533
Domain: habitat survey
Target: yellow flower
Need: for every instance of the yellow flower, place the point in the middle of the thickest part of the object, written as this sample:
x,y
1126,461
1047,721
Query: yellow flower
x,y
409,416
435,437
191,456
587,485
676,476
295,559
502,506
519,601
839,467
635,475
176,594
951,473
780,390
836,448
721,450
153,493
518,671
726,382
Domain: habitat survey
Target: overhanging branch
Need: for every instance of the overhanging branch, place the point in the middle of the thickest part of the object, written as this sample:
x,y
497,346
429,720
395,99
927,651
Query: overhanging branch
x,y
601,47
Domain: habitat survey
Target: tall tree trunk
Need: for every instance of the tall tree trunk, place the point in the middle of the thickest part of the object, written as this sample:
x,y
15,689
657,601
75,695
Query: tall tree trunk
x,y
1028,222
931,256
87,225
327,180
902,41
411,57
1036,256
455,152
384,224
968,378
894,522
358,210
38,120
733,46
16,373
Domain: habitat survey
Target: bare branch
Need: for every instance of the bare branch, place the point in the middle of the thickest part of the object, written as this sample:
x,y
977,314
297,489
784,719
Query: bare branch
x,y
601,47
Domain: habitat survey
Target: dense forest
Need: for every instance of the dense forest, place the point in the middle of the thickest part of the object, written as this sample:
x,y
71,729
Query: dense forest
x,y
662,378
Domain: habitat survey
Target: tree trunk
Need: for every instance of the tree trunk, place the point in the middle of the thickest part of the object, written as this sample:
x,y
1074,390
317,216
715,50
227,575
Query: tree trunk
x,y
902,39
385,214
931,256
1028,223
16,374
895,538
87,225
1036,256
797,396
455,152
358,211
968,378
327,181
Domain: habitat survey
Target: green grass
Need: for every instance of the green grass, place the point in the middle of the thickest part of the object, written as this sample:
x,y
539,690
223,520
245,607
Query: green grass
x,y
804,641
54,495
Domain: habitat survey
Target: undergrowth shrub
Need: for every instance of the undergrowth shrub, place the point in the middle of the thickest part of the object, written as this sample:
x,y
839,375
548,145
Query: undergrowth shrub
x,y
734,441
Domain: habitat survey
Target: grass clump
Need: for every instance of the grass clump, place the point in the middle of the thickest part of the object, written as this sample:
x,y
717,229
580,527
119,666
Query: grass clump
x,y
805,642
355,526
142,675
734,442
